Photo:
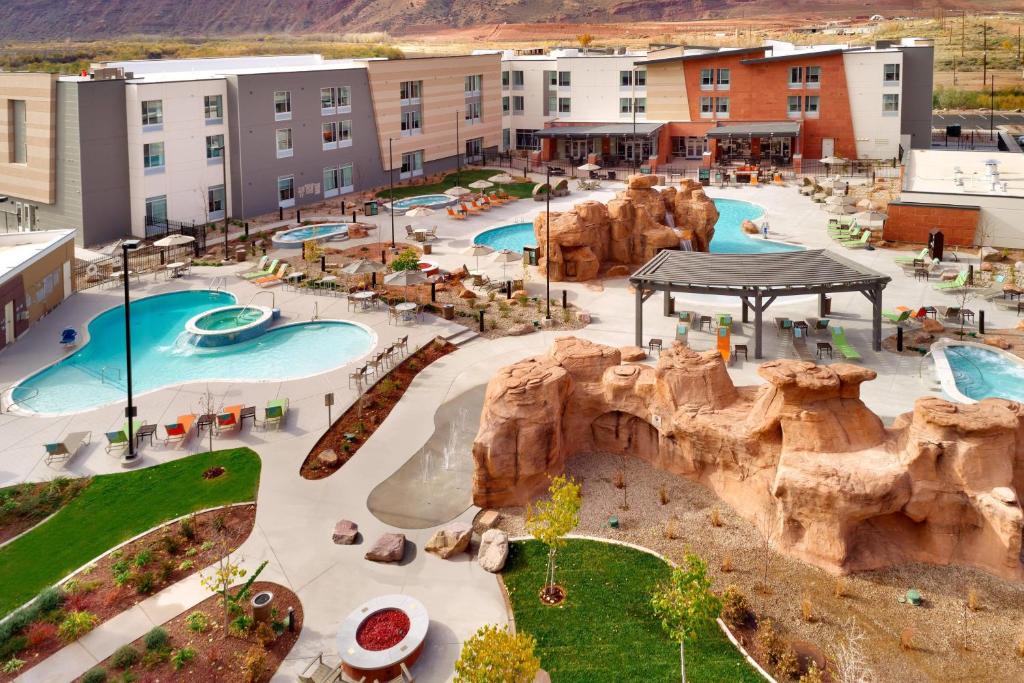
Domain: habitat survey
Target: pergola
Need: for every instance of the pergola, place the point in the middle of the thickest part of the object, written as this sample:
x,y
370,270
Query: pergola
x,y
758,280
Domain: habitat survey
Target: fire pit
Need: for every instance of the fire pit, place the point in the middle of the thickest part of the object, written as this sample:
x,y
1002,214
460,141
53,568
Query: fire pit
x,y
379,637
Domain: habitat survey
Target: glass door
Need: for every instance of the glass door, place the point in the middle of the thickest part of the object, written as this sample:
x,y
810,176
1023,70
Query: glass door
x,y
694,147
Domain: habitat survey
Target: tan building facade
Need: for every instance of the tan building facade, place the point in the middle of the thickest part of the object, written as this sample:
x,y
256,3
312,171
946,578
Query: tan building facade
x,y
35,277
28,112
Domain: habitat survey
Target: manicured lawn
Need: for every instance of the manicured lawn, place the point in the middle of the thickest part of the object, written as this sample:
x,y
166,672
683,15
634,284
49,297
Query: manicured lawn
x,y
116,507
451,180
606,629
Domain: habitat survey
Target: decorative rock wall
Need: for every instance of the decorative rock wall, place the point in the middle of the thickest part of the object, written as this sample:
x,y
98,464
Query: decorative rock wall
x,y
839,489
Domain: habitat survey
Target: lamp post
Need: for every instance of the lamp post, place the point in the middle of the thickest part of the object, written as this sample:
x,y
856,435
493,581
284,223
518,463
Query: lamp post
x,y
632,106
129,411
992,109
224,184
391,192
458,154
547,243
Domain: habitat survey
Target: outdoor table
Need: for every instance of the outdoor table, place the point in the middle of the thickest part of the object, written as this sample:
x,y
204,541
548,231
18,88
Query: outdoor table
x,y
327,282
293,279
921,274
931,312
175,268
824,348
420,234
801,324
364,298
967,315
406,309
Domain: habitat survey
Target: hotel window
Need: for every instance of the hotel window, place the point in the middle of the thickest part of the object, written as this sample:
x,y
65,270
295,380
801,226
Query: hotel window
x,y
890,103
327,103
811,106
473,112
153,155
793,106
506,105
506,138
330,135
282,105
641,78
625,105
527,139
564,79
156,210
722,107
409,91
796,76
814,77
331,182
552,78
412,164
152,112
564,105
411,122
517,79
504,80
707,79
707,107
286,191
19,132
641,105
625,78
517,104
344,96
552,105
213,107
474,84
215,203
724,76
345,133
214,146
891,73
346,178
284,142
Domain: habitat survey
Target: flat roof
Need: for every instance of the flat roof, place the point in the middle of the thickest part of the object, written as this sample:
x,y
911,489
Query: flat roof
x,y
810,271
755,129
20,249
964,172
646,129
728,51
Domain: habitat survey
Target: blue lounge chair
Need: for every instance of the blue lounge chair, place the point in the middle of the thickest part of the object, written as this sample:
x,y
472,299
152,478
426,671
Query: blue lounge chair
x,y
68,337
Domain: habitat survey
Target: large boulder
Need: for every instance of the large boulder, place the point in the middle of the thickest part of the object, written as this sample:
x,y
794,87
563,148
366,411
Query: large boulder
x,y
390,547
493,550
450,540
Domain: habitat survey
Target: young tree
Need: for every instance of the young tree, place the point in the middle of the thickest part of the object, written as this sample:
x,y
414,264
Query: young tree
x,y
850,664
494,655
224,575
685,603
209,405
550,520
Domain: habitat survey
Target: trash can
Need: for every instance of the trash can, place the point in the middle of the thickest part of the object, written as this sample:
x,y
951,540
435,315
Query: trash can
x,y
370,208
241,253
448,311
261,606
427,249
826,307
530,257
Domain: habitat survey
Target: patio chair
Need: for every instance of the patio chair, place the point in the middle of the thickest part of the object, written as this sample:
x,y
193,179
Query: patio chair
x,y
247,412
653,344
409,232
959,282
456,216
116,441
377,364
263,269
318,672
724,343
843,346
432,232
909,260
857,243
783,326
403,344
359,376
394,315
229,420
67,448
144,432
179,431
896,317
275,412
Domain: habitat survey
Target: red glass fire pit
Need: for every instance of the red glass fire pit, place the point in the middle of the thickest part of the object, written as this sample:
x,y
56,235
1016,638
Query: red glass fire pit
x,y
382,635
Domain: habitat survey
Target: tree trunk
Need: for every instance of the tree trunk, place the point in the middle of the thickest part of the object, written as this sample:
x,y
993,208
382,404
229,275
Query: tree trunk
x,y
682,658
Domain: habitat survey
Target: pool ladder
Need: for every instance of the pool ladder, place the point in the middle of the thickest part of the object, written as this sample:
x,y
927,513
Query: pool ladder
x,y
273,303
219,284
316,311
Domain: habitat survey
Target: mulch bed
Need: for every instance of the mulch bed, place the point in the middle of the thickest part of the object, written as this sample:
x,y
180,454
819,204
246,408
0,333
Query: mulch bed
x,y
96,590
217,657
24,505
363,418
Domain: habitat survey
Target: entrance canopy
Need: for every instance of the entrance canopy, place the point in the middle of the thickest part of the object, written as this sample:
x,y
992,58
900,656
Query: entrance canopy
x,y
756,130
757,280
601,130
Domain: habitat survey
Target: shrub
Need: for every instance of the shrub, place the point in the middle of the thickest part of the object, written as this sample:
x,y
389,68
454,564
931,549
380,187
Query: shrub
x,y
207,545
191,552
170,544
40,632
736,610
165,571
620,480
716,517
775,650
813,674
154,658
155,639
670,532
12,665
841,589
907,639
254,661
197,622
807,610
240,625
124,657
727,563
182,657
113,596
76,602
220,523
143,558
265,634
13,646
96,675
49,600
187,528
144,583
408,259
663,494
76,624
973,603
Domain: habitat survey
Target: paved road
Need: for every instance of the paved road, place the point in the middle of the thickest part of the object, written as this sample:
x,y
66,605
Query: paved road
x,y
968,121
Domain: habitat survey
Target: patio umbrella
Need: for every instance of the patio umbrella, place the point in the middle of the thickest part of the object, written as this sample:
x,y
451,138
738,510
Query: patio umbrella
x,y
588,167
174,240
868,205
505,257
362,267
478,250
481,184
833,161
839,208
870,217
457,191
502,179
406,278
418,211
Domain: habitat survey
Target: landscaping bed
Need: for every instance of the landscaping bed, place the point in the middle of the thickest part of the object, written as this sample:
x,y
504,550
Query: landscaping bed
x,y
468,175
192,646
606,629
361,420
129,575
22,506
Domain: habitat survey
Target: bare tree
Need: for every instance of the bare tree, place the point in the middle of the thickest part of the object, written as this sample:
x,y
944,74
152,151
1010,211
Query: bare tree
x,y
766,529
209,405
850,662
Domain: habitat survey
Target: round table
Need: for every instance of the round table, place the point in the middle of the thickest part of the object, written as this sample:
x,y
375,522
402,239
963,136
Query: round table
x,y
175,268
406,309
364,298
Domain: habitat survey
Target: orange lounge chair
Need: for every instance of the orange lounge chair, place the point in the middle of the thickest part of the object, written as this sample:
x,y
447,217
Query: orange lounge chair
x,y
495,199
179,431
275,279
482,205
229,420
724,339
456,216
469,209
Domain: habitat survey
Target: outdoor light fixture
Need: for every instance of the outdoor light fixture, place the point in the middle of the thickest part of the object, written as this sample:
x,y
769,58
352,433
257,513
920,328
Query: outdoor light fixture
x,y
129,411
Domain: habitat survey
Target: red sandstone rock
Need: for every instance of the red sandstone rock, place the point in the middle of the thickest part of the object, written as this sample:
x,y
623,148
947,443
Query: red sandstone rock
x,y
844,493
996,341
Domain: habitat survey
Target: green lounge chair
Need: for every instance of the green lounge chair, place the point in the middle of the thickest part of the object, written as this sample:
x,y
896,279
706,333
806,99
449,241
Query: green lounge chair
x,y
909,260
723,319
842,345
258,273
274,413
857,243
896,317
957,283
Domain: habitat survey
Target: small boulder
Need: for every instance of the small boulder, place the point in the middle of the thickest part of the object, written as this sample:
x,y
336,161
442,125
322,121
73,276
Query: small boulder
x,y
327,458
521,329
583,318
619,271
518,294
389,547
932,326
632,354
749,227
345,532
991,254
488,519
450,540
997,342
986,267
493,550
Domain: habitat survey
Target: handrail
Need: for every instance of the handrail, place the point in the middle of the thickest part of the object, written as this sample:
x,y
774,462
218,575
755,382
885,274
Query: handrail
x,y
218,283
33,392
243,309
316,310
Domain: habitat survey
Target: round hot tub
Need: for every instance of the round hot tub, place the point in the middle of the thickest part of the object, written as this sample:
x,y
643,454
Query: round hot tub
x,y
380,636
293,238
428,267
230,324
432,201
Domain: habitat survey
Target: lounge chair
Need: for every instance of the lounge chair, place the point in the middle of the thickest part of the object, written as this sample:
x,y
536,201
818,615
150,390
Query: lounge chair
x,y
685,317
724,343
469,209
116,441
456,216
179,431
857,243
263,269
273,279
909,260
229,420
69,337
842,345
818,324
783,326
959,282
682,332
318,672
67,448
723,319
274,412
143,432
896,317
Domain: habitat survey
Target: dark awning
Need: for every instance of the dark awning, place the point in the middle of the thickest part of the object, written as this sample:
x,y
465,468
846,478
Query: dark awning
x,y
756,130
600,130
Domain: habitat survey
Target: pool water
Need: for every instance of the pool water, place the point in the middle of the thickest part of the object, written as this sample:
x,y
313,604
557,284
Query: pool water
x,y
161,356
729,236
981,373
423,200
311,232
229,319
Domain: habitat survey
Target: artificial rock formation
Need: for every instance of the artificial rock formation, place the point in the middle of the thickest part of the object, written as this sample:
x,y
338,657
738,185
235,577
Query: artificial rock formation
x,y
594,238
801,453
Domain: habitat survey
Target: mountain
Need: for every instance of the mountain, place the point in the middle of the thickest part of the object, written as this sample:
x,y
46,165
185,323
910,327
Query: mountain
x,y
94,19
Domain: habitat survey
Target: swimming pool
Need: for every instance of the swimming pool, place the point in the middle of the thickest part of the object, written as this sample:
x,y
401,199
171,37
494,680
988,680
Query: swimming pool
x,y
970,372
162,355
729,236
296,236
434,201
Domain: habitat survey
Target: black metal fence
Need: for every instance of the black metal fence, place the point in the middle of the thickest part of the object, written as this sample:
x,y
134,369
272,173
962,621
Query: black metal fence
x,y
147,258
157,228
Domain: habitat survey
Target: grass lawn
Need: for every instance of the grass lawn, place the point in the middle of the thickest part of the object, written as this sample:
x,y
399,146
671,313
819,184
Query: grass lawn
x,y
606,629
451,180
116,507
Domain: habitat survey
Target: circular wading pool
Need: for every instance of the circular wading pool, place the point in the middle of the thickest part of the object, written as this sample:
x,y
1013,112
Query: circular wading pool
x,y
380,636
229,325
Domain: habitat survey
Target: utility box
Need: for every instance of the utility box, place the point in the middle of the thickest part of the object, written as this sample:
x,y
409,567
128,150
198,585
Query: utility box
x,y
370,208
936,243
530,256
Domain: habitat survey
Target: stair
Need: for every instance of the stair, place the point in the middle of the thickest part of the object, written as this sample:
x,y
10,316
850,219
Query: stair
x,y
462,336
